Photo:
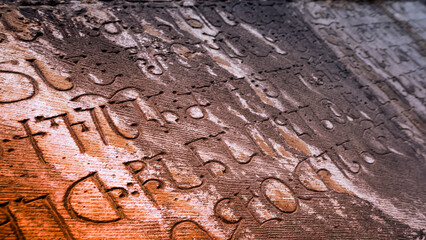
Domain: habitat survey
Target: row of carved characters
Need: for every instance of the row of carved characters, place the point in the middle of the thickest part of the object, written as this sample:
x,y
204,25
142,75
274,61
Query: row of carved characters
x,y
152,53
323,10
19,86
385,91
399,63
101,73
192,17
235,210
397,52
19,220
403,91
371,99
379,134
368,31
405,53
143,113
260,26
88,66
160,28
357,13
157,45
284,62
154,117
109,80
152,50
404,82
234,45
262,201
374,134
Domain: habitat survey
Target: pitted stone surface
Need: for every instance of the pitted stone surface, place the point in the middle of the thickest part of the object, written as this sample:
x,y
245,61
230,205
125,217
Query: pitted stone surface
x,y
212,119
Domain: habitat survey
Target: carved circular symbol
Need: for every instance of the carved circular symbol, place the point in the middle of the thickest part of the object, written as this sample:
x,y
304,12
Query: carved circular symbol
x,y
16,86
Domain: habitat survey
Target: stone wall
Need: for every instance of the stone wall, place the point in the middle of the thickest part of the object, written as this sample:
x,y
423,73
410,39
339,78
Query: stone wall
x,y
212,120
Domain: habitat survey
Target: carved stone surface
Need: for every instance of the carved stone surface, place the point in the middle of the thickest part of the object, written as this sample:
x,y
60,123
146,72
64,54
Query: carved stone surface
x,y
212,119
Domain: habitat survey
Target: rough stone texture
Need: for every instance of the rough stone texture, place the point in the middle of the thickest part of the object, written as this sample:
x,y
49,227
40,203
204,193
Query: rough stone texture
x,y
212,120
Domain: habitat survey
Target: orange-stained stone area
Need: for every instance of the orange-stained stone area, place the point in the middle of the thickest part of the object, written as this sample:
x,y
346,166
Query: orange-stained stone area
x,y
189,119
